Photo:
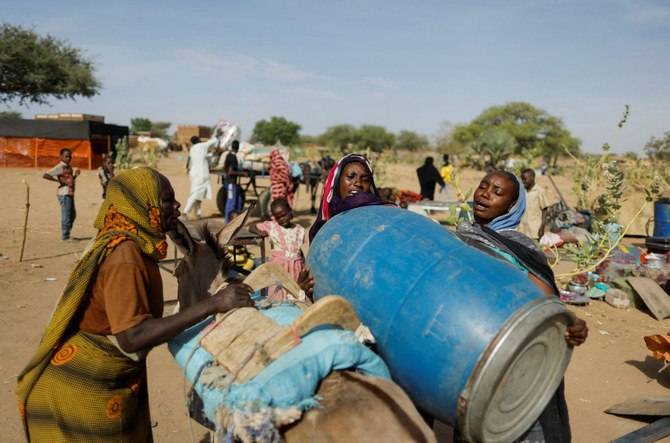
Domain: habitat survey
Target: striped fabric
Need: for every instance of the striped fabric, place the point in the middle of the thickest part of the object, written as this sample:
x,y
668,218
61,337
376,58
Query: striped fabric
x,y
130,211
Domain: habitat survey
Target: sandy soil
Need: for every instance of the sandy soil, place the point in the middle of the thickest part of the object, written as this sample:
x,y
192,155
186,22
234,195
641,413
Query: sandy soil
x,y
612,366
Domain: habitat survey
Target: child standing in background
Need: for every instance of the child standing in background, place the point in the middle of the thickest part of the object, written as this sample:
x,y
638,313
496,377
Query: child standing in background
x,y
286,240
445,172
106,173
64,175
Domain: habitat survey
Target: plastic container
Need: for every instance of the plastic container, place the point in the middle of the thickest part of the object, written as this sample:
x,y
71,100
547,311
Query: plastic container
x,y
652,260
662,217
472,340
658,244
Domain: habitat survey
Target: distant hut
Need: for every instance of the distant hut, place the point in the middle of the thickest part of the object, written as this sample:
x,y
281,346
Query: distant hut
x,y
37,143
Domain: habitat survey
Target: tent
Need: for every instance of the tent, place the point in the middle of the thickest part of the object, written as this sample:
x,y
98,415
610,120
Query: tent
x,y
37,143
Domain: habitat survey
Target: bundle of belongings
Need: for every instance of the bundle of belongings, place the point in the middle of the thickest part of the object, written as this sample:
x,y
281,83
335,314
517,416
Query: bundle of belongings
x,y
659,347
254,157
255,370
406,195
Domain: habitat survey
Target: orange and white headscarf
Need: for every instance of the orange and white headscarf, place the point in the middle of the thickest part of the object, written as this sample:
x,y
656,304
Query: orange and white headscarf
x,y
280,178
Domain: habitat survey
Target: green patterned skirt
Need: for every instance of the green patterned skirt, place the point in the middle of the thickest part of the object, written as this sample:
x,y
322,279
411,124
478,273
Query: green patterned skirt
x,y
89,391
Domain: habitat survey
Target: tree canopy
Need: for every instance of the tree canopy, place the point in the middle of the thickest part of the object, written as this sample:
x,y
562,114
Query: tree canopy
x,y
338,136
348,138
532,128
495,144
140,124
10,114
658,148
374,137
411,141
32,68
143,124
278,129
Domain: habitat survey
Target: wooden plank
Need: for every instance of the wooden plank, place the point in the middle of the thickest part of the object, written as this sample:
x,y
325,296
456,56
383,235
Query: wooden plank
x,y
647,434
246,341
642,405
332,309
236,341
653,296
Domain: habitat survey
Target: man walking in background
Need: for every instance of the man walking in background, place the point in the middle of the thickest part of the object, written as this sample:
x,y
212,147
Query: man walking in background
x,y
201,187
537,207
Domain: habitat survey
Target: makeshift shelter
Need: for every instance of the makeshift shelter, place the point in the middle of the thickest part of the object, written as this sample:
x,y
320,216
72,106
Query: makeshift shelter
x,y
37,143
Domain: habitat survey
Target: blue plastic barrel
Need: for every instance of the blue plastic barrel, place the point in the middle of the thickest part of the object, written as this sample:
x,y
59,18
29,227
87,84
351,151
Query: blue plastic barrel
x,y
662,217
469,337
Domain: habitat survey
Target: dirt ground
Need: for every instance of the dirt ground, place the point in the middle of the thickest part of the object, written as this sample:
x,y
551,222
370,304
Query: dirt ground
x,y
612,366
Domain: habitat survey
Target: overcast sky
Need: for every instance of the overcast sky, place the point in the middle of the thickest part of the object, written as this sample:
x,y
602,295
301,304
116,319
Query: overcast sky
x,y
398,64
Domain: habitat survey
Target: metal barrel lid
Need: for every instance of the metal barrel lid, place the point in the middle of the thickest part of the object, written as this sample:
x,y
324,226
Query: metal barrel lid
x,y
518,373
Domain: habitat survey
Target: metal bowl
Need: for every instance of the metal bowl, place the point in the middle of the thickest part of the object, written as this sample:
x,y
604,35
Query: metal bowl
x,y
656,260
577,288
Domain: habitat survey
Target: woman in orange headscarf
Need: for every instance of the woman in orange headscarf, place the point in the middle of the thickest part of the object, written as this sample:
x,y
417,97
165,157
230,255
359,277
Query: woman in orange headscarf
x,y
87,380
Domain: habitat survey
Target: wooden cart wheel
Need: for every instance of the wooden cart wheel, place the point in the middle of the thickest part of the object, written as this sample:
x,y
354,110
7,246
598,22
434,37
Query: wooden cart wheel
x,y
221,198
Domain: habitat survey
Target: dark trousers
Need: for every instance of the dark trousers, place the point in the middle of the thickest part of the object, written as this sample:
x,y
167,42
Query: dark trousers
x,y
233,199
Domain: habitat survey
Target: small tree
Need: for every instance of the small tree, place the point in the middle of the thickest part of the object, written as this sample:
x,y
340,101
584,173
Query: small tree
x,y
374,137
278,129
658,149
411,141
591,175
10,114
160,129
338,136
140,124
529,126
496,145
33,68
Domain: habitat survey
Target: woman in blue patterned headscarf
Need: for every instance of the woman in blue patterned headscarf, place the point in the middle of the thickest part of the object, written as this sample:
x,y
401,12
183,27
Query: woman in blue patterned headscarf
x,y
499,203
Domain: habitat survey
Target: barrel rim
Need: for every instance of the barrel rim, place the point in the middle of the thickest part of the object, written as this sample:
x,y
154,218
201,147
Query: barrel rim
x,y
488,375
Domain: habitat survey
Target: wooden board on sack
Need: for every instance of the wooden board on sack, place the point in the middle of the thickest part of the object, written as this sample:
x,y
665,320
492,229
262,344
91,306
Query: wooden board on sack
x,y
247,341
653,296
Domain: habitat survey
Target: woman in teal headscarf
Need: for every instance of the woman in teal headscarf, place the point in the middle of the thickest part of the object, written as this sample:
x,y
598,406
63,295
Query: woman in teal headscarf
x,y
499,203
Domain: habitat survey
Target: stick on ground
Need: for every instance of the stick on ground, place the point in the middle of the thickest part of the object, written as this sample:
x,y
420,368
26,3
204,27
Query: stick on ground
x,y
25,221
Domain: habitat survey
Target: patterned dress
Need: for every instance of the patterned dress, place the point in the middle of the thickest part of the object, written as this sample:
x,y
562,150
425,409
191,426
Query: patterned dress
x,y
79,385
286,244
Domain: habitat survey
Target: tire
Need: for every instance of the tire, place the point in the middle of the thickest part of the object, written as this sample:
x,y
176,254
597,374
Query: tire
x,y
221,197
264,205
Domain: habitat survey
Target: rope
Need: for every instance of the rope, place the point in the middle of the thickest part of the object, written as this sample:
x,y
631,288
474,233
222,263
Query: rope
x,y
268,303
188,360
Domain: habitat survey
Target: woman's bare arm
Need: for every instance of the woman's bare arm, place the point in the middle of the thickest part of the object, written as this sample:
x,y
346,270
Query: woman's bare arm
x,y
155,331
574,335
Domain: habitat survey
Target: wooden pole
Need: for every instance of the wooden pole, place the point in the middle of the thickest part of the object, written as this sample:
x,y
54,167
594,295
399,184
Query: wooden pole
x,y
25,221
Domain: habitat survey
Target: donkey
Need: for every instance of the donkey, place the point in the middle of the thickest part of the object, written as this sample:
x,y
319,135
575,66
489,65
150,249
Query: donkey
x,y
355,407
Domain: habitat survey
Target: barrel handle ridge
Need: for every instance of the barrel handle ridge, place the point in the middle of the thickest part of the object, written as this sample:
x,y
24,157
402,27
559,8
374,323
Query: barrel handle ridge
x,y
646,225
